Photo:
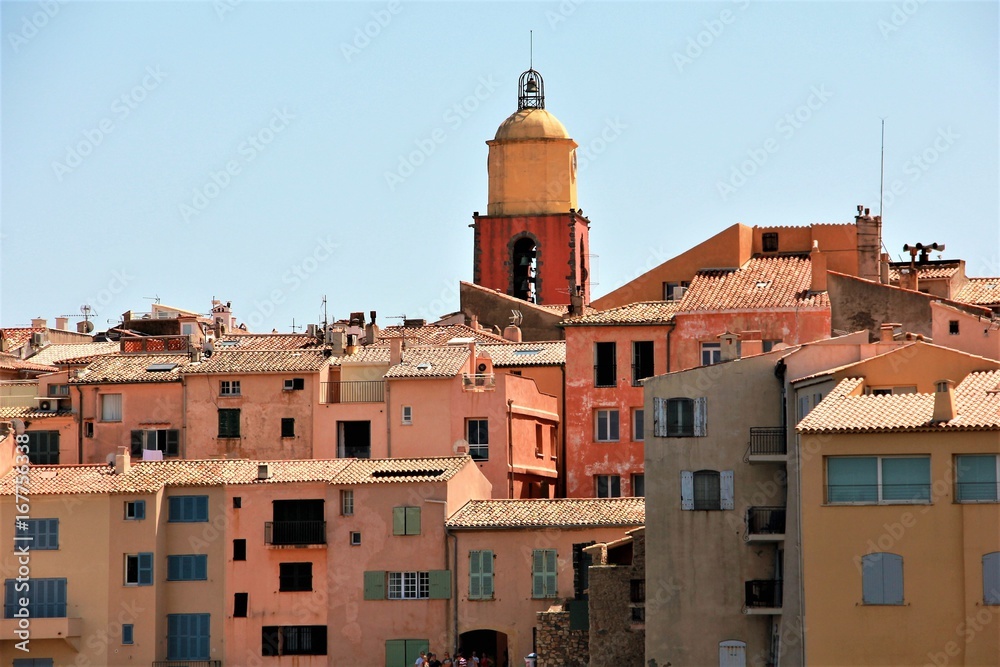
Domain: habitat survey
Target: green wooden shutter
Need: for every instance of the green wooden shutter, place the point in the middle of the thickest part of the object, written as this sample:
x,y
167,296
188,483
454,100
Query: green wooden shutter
x,y
375,585
550,573
440,584
173,440
412,520
475,575
395,653
487,573
537,574
399,521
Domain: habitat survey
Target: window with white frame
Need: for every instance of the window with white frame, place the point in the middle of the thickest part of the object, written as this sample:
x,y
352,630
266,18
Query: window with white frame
x,y
680,417
111,407
347,502
606,425
608,486
638,424
229,388
478,432
409,585
977,478
711,353
707,490
407,415
878,479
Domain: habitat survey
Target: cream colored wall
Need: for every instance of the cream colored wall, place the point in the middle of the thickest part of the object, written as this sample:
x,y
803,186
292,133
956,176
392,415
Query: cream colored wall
x,y
920,364
975,335
516,168
941,543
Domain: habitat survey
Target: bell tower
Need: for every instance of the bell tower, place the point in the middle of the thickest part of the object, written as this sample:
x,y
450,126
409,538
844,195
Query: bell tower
x,y
532,243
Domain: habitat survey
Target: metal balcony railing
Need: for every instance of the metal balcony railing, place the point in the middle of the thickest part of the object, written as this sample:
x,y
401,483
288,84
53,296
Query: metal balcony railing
x,y
294,533
977,491
767,441
187,663
354,391
478,381
878,493
763,593
765,520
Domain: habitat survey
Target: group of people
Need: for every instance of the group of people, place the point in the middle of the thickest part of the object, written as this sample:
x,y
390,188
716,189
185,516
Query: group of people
x,y
428,659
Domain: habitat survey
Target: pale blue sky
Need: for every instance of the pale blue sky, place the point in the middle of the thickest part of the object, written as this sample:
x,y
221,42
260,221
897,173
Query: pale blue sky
x,y
668,100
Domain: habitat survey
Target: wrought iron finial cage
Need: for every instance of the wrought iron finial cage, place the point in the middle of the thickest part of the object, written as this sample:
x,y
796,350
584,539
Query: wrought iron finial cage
x,y
530,91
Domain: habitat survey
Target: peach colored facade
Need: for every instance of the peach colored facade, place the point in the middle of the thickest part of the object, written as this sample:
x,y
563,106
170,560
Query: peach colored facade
x,y
963,331
157,405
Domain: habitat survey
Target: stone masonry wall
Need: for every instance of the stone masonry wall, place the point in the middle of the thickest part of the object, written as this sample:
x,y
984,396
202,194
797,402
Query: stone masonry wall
x,y
557,645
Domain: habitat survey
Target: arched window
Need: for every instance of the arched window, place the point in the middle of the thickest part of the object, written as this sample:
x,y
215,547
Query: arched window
x,y
882,578
524,261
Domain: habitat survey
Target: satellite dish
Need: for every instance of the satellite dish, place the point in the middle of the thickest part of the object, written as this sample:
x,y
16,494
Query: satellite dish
x,y
18,426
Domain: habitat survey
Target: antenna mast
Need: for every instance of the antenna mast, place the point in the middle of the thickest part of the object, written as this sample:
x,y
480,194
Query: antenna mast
x,y
881,181
531,49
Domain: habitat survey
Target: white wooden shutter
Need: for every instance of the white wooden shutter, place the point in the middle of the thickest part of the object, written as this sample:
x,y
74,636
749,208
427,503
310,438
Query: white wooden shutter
x,y
687,490
726,489
660,417
701,416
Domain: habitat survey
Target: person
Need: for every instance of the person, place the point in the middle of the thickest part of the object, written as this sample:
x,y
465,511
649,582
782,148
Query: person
x,y
460,660
485,661
447,660
432,660
421,659
475,660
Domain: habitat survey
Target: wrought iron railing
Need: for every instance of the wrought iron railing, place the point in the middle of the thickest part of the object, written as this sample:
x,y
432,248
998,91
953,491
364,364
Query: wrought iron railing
x,y
767,441
765,520
763,593
353,391
294,533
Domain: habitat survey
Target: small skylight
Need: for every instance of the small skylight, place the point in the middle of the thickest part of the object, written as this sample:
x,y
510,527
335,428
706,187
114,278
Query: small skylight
x,y
423,366
525,353
154,368
761,284
228,343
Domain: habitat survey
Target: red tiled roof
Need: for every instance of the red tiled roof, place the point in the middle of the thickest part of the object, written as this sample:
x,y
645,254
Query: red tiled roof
x,y
59,353
9,362
847,410
18,336
248,341
384,471
32,413
554,513
131,368
437,334
512,355
430,362
260,361
761,283
927,272
980,291
642,312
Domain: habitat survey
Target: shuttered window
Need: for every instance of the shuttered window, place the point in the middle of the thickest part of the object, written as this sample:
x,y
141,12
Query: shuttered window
x,y
404,652
707,490
229,423
139,569
543,573
187,509
882,578
991,578
188,637
46,598
680,417
977,479
166,440
480,575
432,585
187,567
135,510
43,447
878,479
405,520
38,534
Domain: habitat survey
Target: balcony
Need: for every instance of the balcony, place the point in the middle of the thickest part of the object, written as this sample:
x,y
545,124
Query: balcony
x,y
767,444
154,344
763,596
187,663
44,628
294,533
478,382
765,524
355,391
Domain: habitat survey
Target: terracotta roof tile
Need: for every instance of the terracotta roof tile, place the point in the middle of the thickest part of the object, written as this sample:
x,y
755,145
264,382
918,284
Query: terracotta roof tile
x,y
384,471
763,282
18,336
248,341
260,361
847,410
130,368
430,362
510,355
980,291
557,513
642,312
9,362
437,334
31,413
60,352
927,272
363,355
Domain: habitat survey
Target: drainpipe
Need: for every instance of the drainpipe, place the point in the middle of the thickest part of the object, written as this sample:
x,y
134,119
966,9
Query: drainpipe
x,y
388,422
79,419
510,447
561,478
672,324
454,569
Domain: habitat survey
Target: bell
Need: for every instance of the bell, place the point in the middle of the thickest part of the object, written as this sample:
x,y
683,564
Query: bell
x,y
525,260
531,86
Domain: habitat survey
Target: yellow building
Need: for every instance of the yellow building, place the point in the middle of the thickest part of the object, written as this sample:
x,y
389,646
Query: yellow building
x,y
900,517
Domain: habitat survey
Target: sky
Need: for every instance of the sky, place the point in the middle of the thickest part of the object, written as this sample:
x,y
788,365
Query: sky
x,y
272,154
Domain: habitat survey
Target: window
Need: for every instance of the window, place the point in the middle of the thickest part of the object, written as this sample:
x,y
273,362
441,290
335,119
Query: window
x,y
711,353
139,569
878,479
405,520
543,573
642,361
734,653
293,640
707,490
237,502
295,384
46,598
680,417
638,425
229,423
111,407
297,523
882,578
38,534
404,652
478,431
187,509
991,578
605,365
407,415
481,575
88,429
637,600
638,485
674,291
347,502
977,478
608,486
295,576
43,447
606,429
239,549
769,241
165,440
354,439
128,634
807,402
135,510
287,427
241,604
189,567
355,539
953,327
409,585
229,388
33,662
539,441
524,265
58,390
188,636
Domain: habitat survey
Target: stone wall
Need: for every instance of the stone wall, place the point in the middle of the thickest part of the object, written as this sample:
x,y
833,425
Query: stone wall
x,y
615,640
557,645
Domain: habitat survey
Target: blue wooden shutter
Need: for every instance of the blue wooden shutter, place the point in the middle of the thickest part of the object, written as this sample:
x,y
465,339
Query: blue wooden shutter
x,y
871,579
687,490
200,567
892,579
991,578
140,509
173,442
145,569
726,489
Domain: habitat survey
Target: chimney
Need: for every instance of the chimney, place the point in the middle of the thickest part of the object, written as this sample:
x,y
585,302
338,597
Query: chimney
x,y
751,343
371,330
472,356
336,341
123,461
886,331
730,346
62,323
576,301
884,269
869,242
474,323
395,350
512,333
352,344
39,323
908,278
944,401
818,262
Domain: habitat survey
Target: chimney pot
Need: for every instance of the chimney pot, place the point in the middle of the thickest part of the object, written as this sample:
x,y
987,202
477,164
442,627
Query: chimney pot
x,y
395,350
886,331
123,461
39,323
512,333
944,401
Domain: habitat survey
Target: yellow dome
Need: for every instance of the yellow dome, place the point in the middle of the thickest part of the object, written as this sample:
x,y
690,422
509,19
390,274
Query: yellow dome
x,y
531,124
